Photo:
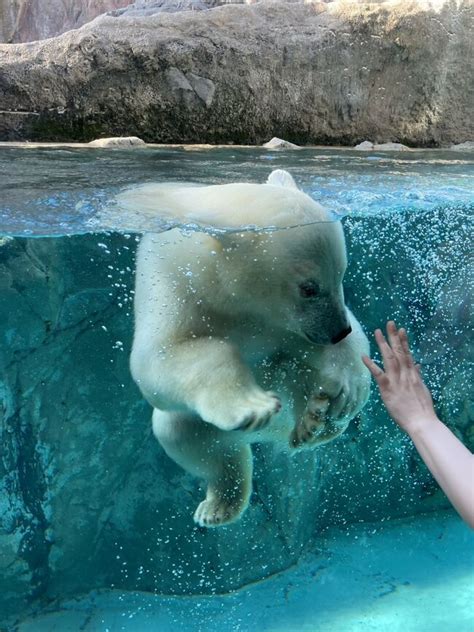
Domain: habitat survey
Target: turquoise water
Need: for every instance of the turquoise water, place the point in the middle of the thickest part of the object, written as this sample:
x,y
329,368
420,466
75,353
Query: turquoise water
x,y
96,529
372,577
62,191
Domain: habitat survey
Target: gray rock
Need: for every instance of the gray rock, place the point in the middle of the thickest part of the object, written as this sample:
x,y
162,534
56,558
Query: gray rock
x,y
466,146
365,146
368,146
390,147
31,20
152,7
119,141
278,143
318,73
204,88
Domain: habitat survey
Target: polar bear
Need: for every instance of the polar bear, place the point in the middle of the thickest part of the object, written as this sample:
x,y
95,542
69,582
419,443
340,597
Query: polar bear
x,y
243,336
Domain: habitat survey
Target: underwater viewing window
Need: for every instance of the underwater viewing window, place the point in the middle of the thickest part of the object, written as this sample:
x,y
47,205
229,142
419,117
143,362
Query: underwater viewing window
x,y
96,520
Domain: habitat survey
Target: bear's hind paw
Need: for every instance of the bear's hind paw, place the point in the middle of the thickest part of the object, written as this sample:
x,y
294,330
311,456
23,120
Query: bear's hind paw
x,y
217,513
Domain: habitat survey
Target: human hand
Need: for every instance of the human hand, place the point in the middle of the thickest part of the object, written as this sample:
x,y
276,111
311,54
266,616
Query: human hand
x,y
401,387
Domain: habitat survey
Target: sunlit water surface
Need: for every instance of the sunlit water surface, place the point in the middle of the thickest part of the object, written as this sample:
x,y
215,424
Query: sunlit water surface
x,y
66,191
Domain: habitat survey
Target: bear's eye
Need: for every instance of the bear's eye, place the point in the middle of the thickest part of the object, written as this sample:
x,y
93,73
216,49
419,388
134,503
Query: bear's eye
x,y
309,289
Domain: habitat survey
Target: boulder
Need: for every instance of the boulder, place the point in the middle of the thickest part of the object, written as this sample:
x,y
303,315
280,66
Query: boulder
x,y
88,498
368,146
320,73
365,146
278,143
390,147
119,141
466,146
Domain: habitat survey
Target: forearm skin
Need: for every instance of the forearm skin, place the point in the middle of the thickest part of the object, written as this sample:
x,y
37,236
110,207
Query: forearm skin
x,y
449,461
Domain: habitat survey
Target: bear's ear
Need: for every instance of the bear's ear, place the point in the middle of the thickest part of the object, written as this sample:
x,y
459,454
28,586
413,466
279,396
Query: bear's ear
x,y
281,178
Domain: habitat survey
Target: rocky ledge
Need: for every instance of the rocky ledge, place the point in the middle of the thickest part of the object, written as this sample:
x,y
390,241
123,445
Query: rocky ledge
x,y
327,73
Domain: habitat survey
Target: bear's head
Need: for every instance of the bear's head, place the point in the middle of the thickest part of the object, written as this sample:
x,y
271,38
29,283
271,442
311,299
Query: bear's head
x,y
290,276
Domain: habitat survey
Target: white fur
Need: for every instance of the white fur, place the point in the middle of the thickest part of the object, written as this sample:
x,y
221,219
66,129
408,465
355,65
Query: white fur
x,y
222,332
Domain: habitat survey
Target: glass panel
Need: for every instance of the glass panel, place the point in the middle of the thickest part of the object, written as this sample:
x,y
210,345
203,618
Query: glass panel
x,y
96,520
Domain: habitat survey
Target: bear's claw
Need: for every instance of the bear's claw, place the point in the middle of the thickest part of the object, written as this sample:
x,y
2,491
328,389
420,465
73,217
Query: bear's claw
x,y
310,429
247,411
257,421
217,513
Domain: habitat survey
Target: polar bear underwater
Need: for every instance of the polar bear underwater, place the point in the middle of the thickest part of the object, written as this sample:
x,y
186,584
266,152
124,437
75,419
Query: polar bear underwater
x,y
243,337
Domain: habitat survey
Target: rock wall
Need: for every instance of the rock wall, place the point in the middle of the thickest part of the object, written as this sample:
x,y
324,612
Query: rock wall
x,y
30,20
89,499
335,73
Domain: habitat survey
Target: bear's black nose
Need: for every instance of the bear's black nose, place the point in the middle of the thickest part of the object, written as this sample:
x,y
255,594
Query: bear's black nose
x,y
341,335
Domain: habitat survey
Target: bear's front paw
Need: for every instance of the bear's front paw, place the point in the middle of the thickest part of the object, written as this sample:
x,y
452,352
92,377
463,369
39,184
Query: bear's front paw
x,y
346,398
249,411
314,427
311,423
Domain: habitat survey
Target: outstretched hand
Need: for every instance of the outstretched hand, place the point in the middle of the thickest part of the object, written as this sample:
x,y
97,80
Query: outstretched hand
x,y
409,403
401,387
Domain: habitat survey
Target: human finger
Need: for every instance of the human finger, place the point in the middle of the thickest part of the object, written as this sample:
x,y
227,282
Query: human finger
x,y
418,368
393,338
407,357
376,372
390,362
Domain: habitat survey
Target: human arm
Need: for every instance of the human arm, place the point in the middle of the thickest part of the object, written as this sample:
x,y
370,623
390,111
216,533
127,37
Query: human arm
x,y
410,404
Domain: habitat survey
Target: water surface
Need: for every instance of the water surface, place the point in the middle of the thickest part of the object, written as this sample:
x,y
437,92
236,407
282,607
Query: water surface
x,y
51,191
